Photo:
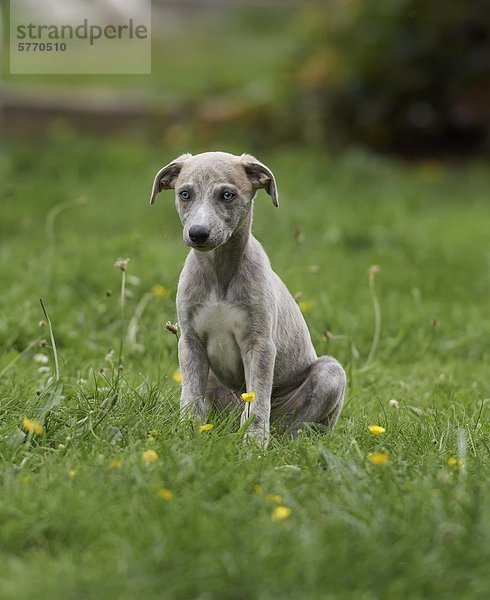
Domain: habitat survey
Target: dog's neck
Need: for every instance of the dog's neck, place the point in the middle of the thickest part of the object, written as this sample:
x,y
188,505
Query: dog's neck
x,y
222,263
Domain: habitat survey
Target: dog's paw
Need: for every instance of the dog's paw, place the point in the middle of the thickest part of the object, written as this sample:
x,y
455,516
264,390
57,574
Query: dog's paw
x,y
193,411
257,435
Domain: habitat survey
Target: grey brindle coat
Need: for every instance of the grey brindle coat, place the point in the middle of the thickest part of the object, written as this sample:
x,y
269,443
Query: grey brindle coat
x,y
241,330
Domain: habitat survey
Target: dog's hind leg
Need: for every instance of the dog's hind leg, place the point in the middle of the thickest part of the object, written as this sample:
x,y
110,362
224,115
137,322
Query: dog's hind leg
x,y
317,399
221,398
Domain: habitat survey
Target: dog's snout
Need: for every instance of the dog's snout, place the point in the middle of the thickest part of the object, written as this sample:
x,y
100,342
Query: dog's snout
x,y
199,233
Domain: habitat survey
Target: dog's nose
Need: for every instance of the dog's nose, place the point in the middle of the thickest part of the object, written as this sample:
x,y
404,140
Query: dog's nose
x,y
199,233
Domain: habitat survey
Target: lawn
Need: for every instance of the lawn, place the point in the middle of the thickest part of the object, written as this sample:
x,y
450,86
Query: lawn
x,y
87,512
192,57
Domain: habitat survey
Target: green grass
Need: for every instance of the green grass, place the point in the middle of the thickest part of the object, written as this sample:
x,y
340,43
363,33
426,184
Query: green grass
x,y
243,49
415,527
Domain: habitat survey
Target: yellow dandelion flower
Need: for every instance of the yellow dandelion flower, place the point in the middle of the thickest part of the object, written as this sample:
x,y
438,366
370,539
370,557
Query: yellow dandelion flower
x,y
248,396
280,513
160,291
177,377
165,494
378,458
32,426
257,489
455,463
72,473
116,463
305,305
275,498
149,456
206,427
376,429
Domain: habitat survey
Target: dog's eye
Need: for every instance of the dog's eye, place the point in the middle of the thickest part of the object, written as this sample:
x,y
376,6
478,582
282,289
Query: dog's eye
x,y
185,195
227,195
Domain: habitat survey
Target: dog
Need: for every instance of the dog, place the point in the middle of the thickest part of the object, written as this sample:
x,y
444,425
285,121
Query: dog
x,y
241,330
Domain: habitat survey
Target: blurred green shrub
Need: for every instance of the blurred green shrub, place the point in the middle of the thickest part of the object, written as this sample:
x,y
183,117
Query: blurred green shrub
x,y
400,75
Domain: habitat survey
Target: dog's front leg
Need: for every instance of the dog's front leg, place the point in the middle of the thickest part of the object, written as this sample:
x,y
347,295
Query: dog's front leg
x,y
194,368
259,361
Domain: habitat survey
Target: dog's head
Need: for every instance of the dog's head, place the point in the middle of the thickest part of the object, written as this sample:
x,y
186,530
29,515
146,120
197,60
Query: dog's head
x,y
213,193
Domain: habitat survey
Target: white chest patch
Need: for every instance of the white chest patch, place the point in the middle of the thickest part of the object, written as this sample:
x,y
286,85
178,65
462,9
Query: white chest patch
x,y
221,325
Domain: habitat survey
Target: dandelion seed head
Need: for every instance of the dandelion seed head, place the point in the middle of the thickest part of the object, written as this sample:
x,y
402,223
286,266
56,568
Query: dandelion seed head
x,y
393,403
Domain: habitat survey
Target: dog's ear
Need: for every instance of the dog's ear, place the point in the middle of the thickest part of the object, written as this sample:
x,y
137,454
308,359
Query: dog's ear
x,y
165,178
260,176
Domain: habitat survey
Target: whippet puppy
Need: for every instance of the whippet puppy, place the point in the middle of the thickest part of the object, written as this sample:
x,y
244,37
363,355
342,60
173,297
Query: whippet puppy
x,y
241,330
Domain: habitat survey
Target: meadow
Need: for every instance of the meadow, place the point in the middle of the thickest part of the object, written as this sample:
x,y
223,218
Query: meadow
x,y
106,495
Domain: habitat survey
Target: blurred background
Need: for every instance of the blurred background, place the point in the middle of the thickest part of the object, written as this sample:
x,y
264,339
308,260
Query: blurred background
x,y
405,77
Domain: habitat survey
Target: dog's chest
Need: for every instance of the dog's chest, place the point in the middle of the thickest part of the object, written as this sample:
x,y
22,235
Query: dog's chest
x,y
221,326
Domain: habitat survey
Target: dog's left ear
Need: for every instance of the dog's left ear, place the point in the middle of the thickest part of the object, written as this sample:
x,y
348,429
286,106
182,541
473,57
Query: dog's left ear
x,y
165,178
260,176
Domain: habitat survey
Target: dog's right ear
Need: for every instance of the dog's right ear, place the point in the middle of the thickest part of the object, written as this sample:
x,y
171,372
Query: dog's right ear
x,y
165,178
